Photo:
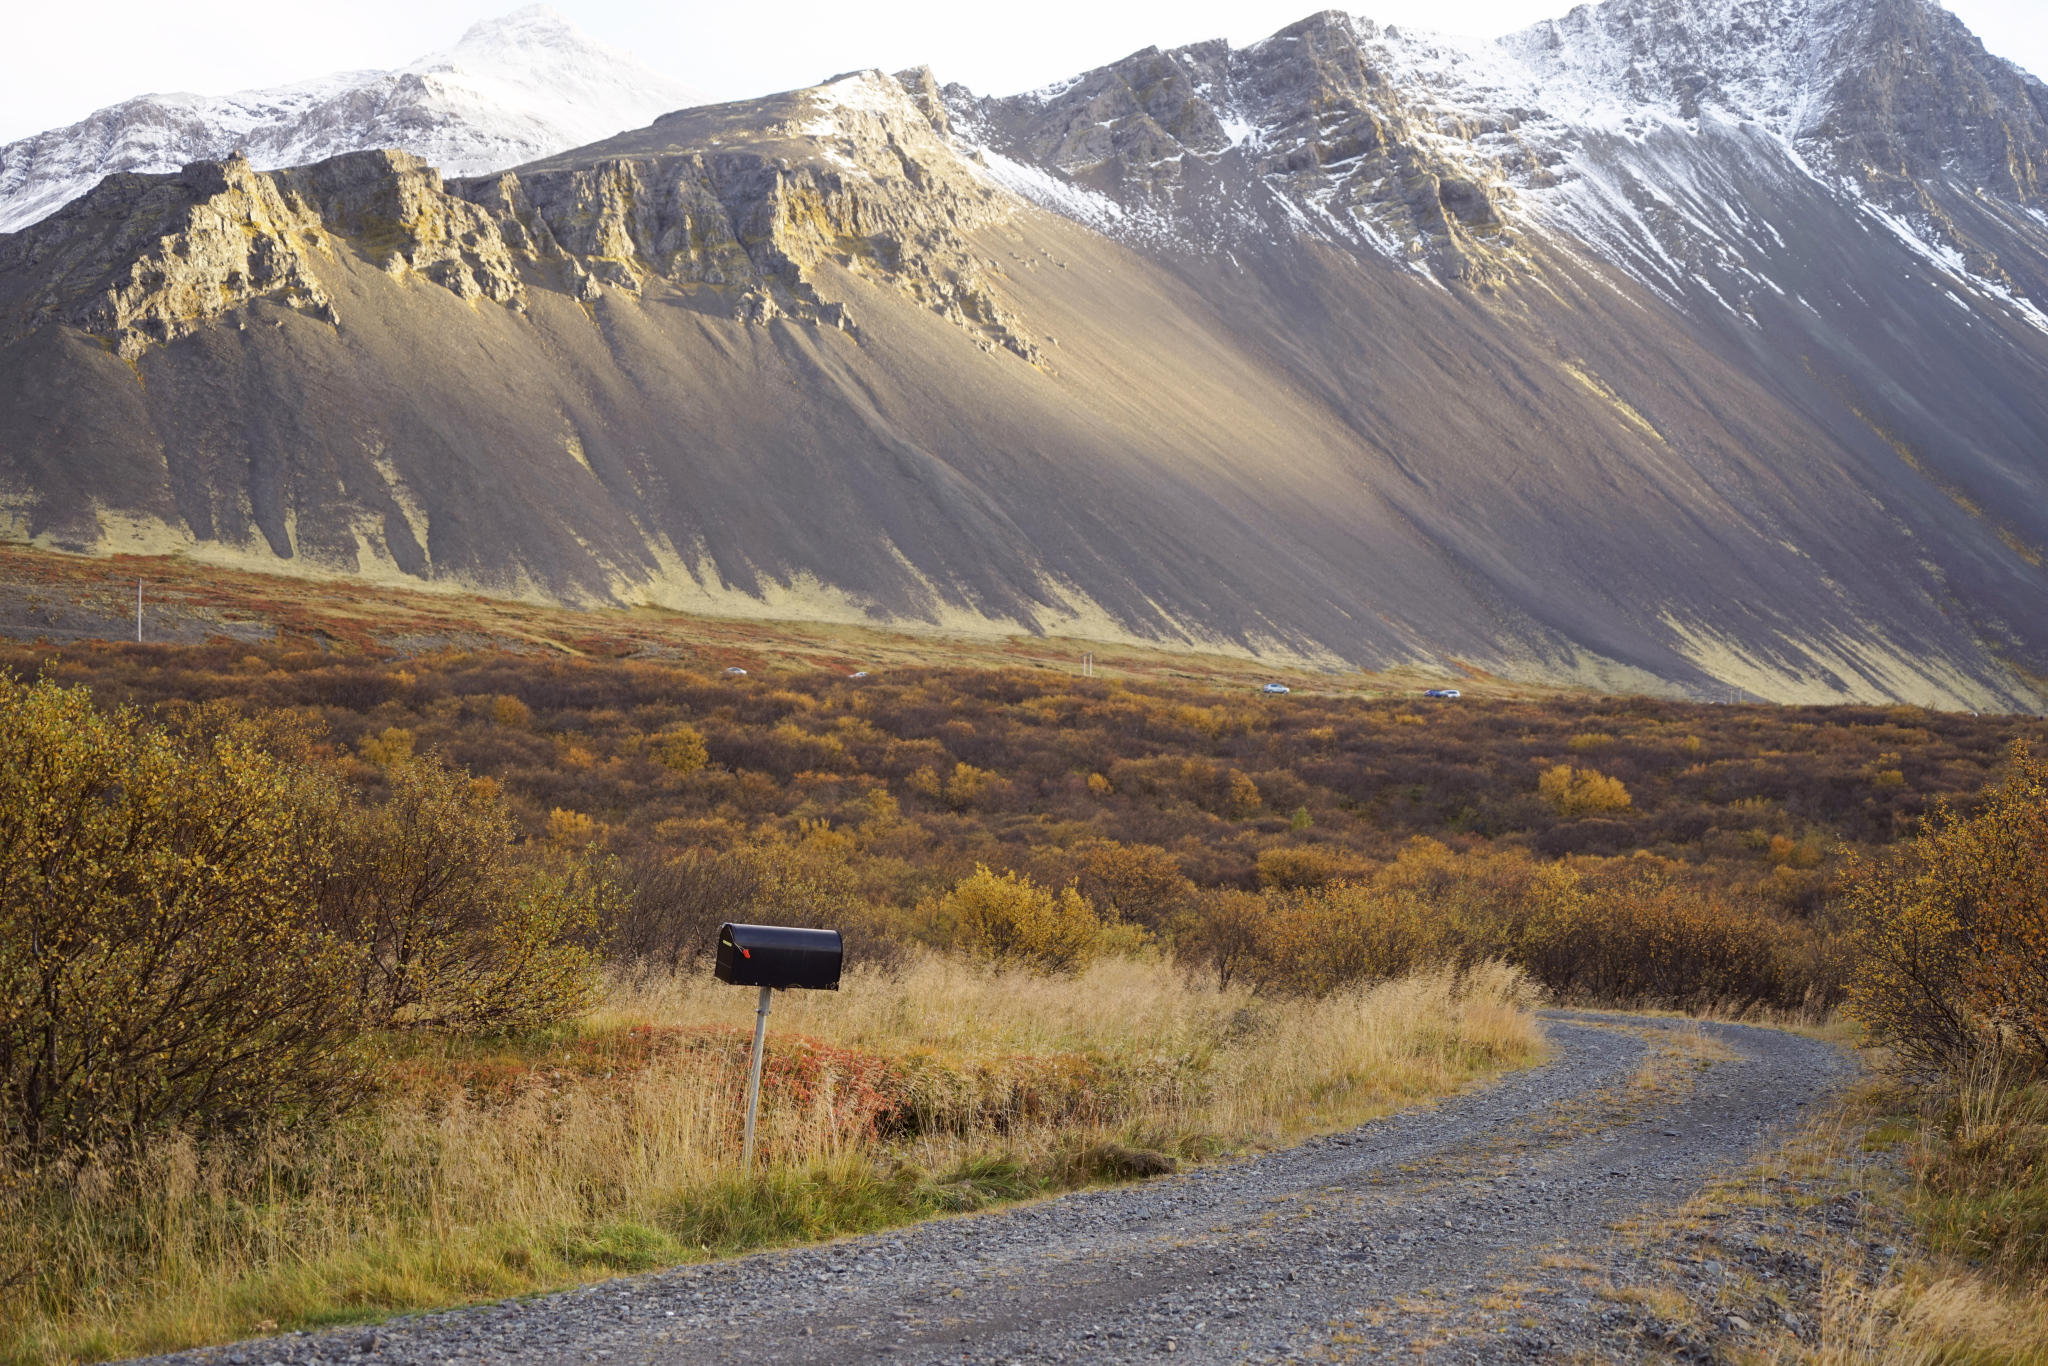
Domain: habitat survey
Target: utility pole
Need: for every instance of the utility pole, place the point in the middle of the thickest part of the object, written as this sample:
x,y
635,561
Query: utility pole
x,y
138,611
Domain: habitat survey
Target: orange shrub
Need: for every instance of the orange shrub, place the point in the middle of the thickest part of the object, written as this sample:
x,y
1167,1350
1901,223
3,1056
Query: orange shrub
x,y
1580,791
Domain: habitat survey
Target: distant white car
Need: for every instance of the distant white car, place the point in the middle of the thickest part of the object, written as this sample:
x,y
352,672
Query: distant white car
x,y
735,669
862,674
1276,687
1441,692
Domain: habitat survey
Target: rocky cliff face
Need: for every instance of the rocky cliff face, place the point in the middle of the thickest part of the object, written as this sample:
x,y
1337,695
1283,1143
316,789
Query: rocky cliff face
x,y
1205,145
150,259
857,172
1691,346
1879,91
515,88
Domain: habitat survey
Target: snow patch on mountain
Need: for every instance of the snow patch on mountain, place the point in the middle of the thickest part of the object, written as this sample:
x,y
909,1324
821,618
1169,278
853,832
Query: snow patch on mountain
x,y
514,89
1053,192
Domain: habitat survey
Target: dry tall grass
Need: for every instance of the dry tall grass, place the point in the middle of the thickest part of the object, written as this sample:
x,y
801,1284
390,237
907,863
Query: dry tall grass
x,y
1251,1068
1926,1321
614,1147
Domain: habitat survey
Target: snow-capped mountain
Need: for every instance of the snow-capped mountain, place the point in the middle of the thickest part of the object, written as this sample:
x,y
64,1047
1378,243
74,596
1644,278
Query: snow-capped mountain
x,y
1684,345
514,88
1643,129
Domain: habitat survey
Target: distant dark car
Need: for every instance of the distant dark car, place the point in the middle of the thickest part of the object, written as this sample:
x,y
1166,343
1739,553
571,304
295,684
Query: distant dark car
x,y
1276,687
1441,692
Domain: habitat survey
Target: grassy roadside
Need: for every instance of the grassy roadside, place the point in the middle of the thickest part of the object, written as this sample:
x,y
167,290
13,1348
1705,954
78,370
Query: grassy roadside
x,y
610,1147
1876,1233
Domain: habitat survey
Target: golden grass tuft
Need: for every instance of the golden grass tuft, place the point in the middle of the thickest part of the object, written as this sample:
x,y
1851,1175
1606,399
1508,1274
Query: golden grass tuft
x,y
1925,1320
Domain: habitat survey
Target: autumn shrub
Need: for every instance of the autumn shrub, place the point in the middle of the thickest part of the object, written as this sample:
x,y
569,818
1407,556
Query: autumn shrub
x,y
1581,791
1953,932
1222,931
1310,941
2000,859
162,960
393,747
1647,937
1011,921
1138,883
969,787
672,906
1293,867
1638,934
1319,940
1244,795
454,930
680,750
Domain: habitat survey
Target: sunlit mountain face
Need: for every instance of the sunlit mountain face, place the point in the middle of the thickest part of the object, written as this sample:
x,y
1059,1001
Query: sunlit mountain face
x,y
1696,347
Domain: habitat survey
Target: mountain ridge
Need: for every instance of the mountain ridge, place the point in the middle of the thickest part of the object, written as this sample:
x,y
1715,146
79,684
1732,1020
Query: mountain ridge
x,y
1328,351
513,88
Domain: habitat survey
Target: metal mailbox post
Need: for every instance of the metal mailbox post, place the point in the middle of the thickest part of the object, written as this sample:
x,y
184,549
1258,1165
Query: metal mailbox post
x,y
774,958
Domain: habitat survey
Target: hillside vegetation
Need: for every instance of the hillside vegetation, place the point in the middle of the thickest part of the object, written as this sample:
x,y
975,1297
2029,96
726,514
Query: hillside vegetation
x,y
346,983
1482,827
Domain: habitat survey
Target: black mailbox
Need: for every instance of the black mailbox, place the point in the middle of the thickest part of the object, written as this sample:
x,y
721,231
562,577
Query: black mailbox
x,y
779,956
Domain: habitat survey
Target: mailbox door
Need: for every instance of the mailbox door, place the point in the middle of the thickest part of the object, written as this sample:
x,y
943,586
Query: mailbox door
x,y
731,967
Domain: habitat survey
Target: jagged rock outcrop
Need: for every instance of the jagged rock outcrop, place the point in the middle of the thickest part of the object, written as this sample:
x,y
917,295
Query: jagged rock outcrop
x,y
1436,150
1879,91
856,171
146,259
922,86
154,258
1895,98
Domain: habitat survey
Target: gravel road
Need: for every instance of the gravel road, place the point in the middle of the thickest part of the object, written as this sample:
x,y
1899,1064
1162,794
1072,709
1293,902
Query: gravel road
x,y
1465,1227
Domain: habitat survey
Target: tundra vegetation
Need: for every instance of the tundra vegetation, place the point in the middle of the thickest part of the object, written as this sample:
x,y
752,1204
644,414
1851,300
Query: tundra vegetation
x,y
345,983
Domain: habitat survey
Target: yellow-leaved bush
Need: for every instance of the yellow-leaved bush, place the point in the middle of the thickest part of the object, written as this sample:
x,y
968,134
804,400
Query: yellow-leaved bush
x,y
1953,932
680,750
1581,791
453,932
162,960
1011,921
1638,935
198,924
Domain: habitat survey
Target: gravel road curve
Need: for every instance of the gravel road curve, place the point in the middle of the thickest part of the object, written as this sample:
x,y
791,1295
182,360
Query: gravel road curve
x,y
1464,1226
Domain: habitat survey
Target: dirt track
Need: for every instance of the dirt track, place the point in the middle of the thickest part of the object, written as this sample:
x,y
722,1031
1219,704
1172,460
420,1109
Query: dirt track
x,y
1467,1228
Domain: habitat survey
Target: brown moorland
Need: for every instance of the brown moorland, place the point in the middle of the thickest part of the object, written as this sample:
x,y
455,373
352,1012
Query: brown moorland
x,y
989,826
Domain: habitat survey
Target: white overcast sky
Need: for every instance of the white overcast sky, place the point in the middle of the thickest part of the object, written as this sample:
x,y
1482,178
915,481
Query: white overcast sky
x,y
65,60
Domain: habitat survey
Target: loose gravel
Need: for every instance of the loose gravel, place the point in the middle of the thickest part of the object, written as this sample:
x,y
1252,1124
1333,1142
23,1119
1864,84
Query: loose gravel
x,y
1465,1223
